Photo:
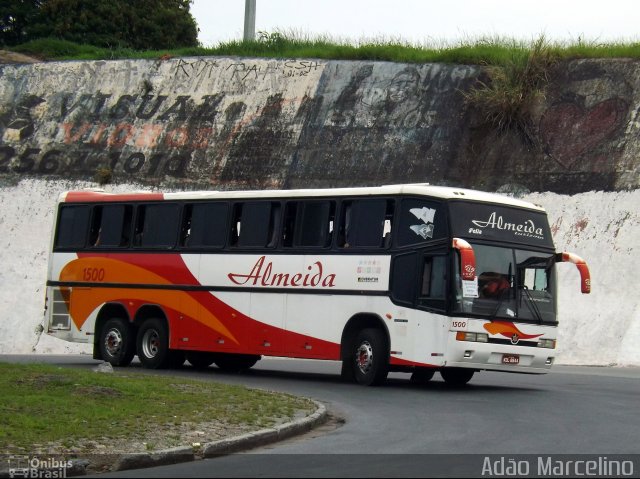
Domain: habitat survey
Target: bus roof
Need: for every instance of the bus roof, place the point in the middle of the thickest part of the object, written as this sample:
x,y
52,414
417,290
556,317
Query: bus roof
x,y
420,189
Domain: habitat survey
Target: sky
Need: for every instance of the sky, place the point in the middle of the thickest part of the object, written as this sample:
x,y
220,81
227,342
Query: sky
x,y
424,21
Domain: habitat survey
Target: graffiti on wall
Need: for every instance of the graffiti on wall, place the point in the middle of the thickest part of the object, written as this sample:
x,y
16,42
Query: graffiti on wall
x,y
385,124
156,132
232,123
573,133
242,71
271,123
581,128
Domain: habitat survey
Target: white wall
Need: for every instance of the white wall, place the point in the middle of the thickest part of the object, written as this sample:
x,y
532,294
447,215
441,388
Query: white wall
x,y
598,329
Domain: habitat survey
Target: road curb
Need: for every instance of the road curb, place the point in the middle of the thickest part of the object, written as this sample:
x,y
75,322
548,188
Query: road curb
x,y
138,460
266,436
223,446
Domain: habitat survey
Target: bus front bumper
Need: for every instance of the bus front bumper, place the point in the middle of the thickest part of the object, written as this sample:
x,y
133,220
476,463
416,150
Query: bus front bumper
x,y
499,357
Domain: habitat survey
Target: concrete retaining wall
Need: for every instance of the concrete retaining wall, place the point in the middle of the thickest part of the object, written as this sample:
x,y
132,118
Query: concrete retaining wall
x,y
254,123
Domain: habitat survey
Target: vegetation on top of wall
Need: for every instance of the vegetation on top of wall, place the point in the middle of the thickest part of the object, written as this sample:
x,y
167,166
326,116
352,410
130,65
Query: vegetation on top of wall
x,y
491,51
506,98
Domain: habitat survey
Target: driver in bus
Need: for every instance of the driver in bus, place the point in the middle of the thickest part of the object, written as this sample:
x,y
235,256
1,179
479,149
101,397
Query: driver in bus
x,y
492,285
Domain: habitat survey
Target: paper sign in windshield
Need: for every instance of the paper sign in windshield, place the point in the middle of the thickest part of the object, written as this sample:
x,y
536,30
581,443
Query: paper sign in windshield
x,y
470,288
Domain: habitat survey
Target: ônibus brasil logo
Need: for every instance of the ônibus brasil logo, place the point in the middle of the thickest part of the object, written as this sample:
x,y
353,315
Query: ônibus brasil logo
x,y
262,275
527,228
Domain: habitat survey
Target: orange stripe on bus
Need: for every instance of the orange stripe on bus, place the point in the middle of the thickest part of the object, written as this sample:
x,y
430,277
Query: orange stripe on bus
x,y
85,300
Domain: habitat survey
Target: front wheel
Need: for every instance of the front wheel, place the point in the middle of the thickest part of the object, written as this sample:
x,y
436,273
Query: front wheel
x,y
371,357
117,342
456,376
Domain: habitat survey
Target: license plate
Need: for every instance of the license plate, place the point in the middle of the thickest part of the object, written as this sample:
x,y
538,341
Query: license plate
x,y
510,359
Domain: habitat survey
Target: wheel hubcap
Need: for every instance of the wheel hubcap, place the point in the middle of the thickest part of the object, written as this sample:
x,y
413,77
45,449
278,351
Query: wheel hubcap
x,y
151,343
113,342
364,357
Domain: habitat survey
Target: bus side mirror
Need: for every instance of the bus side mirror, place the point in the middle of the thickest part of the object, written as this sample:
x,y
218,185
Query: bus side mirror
x,y
585,275
467,259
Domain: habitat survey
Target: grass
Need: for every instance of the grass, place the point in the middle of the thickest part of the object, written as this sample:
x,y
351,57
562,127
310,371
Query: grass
x,y
45,404
513,87
498,51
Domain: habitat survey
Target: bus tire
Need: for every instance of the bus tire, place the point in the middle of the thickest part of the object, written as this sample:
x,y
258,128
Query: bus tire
x,y
117,342
200,359
234,363
347,372
370,357
456,376
153,344
422,375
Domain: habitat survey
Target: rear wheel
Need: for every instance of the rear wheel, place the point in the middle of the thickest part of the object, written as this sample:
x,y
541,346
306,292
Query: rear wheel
x,y
234,363
456,376
117,342
371,357
153,344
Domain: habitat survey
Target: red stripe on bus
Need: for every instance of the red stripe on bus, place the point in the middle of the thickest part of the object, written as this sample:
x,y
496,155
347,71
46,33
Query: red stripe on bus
x,y
91,196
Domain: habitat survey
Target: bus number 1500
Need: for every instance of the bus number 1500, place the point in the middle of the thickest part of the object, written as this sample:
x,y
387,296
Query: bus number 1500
x,y
93,274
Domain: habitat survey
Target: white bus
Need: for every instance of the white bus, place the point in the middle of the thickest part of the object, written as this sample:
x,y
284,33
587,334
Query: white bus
x,y
412,278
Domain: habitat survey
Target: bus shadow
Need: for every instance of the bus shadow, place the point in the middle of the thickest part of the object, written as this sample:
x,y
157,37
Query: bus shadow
x,y
397,383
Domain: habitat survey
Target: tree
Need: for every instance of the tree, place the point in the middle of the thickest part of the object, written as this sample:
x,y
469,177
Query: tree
x,y
15,17
137,24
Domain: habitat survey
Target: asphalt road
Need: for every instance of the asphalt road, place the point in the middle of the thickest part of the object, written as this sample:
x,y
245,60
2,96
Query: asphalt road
x,y
401,429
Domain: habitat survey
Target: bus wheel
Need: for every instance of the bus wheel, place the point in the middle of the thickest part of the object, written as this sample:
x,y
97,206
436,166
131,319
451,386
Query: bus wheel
x,y
456,376
200,359
371,357
234,363
117,342
422,376
153,344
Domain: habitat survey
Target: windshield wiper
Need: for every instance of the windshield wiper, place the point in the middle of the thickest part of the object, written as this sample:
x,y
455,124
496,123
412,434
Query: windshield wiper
x,y
531,304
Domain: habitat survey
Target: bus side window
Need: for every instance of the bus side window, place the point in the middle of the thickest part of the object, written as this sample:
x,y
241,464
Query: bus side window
x,y
433,282
308,223
404,273
205,225
157,225
111,225
73,223
366,223
255,224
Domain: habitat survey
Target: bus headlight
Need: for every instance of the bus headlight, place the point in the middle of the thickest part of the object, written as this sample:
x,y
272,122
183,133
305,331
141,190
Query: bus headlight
x,y
547,343
475,337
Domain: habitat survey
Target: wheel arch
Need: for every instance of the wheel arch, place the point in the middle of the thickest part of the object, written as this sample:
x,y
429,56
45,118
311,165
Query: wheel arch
x,y
357,323
148,311
108,311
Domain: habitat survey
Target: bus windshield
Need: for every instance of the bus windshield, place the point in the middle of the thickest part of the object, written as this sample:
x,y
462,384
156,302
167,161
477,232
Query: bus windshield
x,y
512,284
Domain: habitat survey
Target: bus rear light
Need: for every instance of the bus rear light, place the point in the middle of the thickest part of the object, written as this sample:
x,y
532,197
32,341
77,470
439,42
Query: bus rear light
x,y
549,361
547,343
475,337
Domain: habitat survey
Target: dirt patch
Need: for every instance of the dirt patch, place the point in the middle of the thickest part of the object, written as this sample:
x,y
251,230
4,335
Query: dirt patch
x,y
13,57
